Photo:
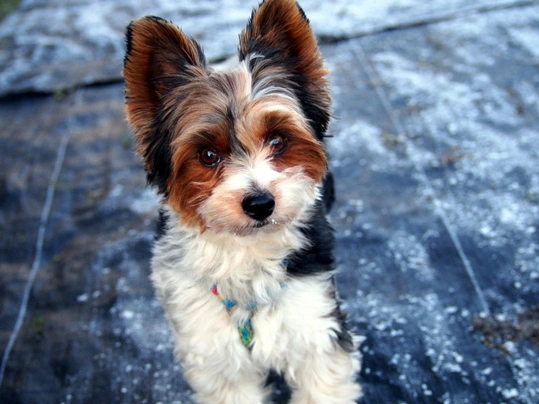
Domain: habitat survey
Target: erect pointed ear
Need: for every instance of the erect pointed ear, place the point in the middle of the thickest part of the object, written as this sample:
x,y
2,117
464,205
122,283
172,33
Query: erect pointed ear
x,y
279,39
159,61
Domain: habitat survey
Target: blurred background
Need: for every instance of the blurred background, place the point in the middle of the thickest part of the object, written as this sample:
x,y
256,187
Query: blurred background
x,y
435,151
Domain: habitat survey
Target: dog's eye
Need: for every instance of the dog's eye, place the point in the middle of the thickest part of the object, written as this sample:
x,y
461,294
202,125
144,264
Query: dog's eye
x,y
209,157
278,143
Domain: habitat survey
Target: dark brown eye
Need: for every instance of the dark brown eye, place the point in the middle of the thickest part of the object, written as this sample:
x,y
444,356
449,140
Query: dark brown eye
x,y
209,157
278,143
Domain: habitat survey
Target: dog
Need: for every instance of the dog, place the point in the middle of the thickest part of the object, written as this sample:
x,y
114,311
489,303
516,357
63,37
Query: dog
x,y
243,264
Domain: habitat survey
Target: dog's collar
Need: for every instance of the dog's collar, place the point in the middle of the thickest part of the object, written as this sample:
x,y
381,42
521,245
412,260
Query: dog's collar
x,y
245,328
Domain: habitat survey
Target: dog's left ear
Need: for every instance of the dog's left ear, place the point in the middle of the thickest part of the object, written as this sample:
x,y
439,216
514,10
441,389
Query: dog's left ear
x,y
278,41
160,63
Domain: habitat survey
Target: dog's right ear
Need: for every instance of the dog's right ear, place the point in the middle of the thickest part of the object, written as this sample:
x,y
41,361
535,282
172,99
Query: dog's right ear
x,y
160,59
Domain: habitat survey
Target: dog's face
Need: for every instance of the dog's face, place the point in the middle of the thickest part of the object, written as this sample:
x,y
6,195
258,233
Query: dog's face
x,y
238,151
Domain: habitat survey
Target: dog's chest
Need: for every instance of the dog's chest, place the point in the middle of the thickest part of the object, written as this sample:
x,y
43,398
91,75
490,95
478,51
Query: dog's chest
x,y
243,287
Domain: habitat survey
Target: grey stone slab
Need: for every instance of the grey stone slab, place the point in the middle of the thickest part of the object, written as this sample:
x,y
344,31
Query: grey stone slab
x,y
435,148
51,46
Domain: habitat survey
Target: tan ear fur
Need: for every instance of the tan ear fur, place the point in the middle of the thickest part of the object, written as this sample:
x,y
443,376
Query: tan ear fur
x,y
158,55
279,37
160,59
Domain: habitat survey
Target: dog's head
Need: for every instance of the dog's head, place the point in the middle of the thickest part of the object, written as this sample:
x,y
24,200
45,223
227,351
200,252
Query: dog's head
x,y
237,151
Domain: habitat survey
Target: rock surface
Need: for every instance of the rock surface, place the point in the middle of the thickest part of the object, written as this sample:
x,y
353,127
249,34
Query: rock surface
x,y
54,46
436,160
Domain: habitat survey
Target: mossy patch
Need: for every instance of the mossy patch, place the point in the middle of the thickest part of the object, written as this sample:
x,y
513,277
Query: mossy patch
x,y
497,332
7,6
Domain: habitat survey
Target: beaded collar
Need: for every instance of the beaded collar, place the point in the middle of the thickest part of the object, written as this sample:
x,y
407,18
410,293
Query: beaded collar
x,y
245,329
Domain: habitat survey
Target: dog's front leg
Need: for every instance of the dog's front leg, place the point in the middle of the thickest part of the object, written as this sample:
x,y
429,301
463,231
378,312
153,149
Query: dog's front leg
x,y
221,382
323,359
326,378
216,364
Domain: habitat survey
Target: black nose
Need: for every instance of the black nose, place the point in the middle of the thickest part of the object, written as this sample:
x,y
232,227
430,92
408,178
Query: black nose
x,y
258,206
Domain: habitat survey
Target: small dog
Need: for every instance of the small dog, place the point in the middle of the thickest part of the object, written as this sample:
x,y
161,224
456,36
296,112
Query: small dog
x,y
243,265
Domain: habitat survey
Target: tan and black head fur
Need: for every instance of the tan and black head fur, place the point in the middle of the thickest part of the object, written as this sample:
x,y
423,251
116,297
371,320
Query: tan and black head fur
x,y
196,129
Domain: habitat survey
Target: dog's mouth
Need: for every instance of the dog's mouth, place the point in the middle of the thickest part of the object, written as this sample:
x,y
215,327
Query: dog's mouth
x,y
264,223
259,225
267,225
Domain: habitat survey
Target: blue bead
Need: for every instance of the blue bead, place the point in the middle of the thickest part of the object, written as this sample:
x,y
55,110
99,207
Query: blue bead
x,y
229,303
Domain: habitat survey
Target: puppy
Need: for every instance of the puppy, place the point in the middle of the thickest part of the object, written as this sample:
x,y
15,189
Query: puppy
x,y
243,265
